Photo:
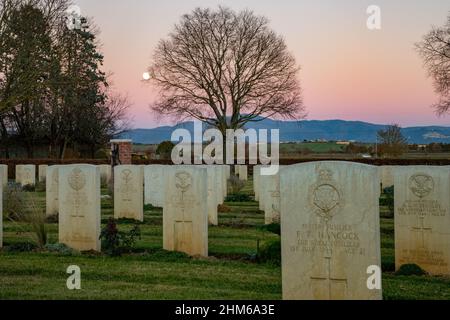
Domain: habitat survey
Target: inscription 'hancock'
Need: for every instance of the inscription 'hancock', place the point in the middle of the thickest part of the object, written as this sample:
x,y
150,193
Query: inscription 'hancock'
x,y
327,237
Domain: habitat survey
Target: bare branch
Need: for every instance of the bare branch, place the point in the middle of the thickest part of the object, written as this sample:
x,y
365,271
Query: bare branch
x,y
435,52
225,68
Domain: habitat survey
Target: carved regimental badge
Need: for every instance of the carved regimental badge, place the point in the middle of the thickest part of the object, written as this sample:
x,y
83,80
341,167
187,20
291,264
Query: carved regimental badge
x,y
421,185
183,181
77,179
127,176
325,196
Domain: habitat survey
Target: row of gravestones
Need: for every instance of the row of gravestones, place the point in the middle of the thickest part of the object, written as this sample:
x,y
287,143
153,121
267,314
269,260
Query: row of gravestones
x,y
330,223
26,174
329,212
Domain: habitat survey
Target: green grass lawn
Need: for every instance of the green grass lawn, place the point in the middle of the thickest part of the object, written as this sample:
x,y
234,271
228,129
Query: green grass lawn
x,y
152,273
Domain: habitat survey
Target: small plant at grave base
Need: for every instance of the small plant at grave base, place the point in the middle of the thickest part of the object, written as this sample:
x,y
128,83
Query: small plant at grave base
x,y
14,199
273,228
238,197
29,188
235,185
30,213
269,252
116,242
21,247
410,270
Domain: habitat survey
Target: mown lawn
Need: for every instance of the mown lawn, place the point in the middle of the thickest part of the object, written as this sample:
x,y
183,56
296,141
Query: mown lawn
x,y
230,271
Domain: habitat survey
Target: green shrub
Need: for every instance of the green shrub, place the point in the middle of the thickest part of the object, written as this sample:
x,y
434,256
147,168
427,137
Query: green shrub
x,y
164,149
273,228
270,252
115,242
410,270
21,247
29,188
238,197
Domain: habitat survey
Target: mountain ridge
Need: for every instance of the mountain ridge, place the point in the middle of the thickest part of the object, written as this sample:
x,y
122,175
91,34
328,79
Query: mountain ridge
x,y
311,130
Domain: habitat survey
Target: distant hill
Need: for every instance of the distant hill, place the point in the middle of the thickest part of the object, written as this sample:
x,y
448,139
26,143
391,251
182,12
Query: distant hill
x,y
296,131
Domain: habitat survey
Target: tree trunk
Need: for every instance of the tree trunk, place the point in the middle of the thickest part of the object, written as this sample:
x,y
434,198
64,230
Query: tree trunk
x,y
5,138
63,150
30,150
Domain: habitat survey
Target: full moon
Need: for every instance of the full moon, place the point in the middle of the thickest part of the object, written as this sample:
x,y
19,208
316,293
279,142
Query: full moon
x,y
146,76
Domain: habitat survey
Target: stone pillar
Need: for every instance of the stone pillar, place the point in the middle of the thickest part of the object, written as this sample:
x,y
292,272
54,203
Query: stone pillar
x,y
124,151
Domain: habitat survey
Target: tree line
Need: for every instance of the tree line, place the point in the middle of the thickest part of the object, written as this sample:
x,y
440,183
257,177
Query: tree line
x,y
53,91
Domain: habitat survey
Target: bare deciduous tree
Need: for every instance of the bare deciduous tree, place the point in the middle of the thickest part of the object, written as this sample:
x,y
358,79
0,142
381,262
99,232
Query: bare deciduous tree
x,y
392,141
435,51
226,69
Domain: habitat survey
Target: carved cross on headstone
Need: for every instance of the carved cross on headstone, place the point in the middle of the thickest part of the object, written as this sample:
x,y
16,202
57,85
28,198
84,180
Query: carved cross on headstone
x,y
422,229
78,204
183,225
329,278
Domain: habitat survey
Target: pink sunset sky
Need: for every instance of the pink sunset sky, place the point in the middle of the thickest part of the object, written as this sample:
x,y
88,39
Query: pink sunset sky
x,y
347,71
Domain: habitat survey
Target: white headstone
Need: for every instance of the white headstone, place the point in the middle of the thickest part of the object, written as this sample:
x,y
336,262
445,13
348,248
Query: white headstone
x,y
105,174
243,172
219,184
387,176
256,175
42,172
330,231
79,207
51,190
271,196
154,180
128,192
18,173
225,177
214,194
422,218
4,172
185,214
26,174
